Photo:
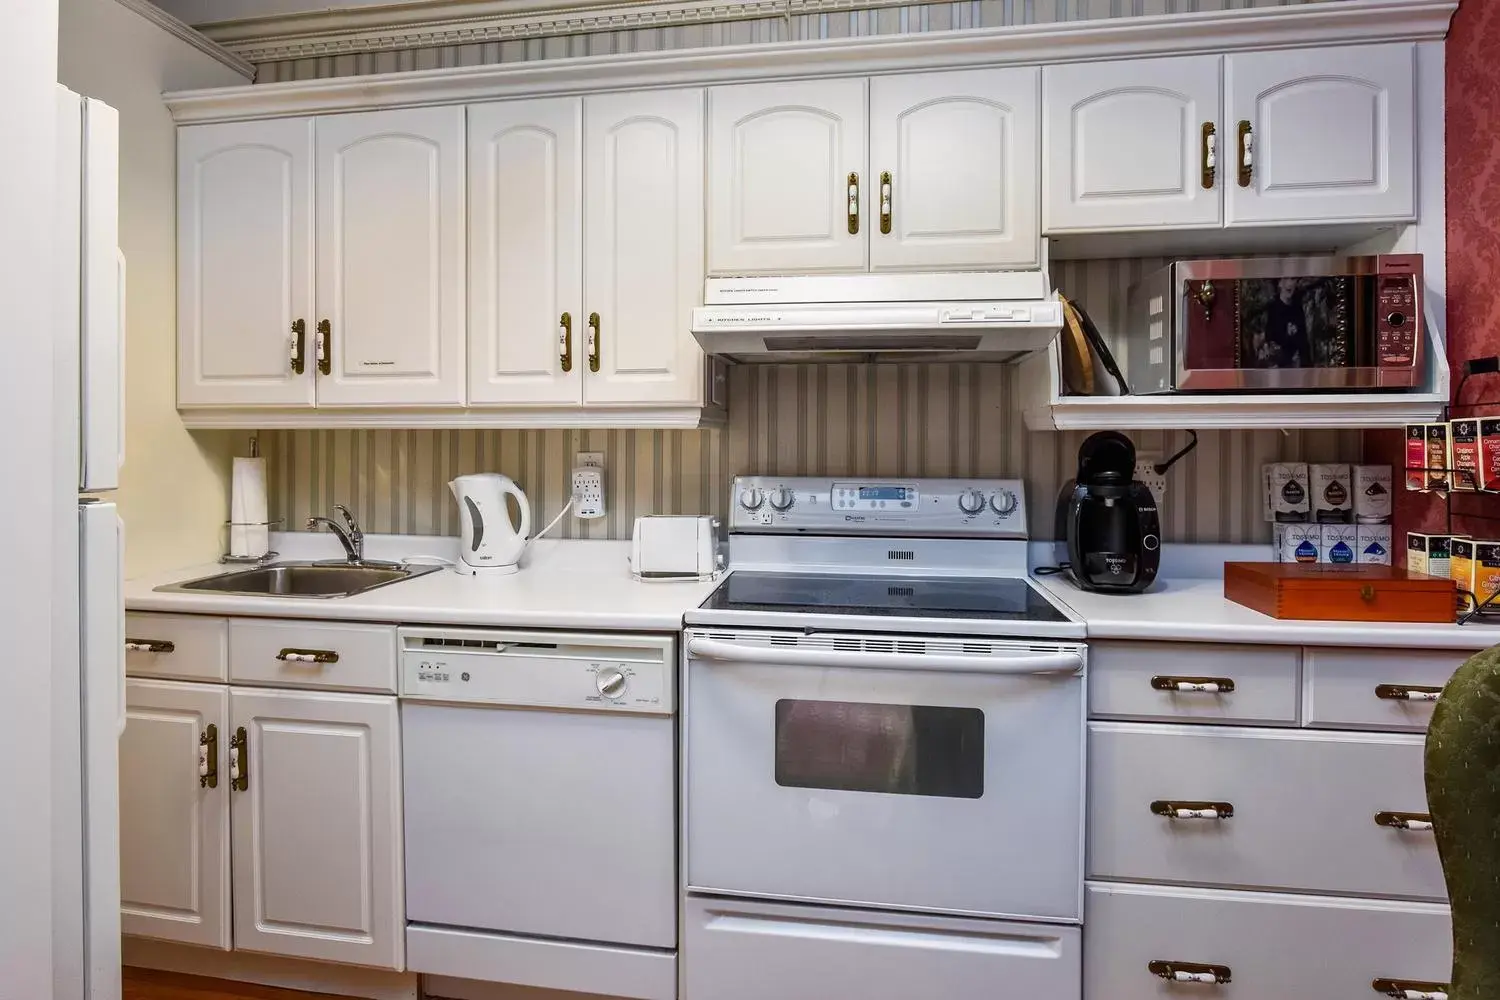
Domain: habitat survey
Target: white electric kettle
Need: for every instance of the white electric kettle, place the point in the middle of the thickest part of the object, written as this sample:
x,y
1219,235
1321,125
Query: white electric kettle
x,y
491,544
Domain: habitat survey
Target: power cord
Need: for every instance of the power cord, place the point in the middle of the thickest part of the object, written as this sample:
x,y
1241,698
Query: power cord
x,y
1161,467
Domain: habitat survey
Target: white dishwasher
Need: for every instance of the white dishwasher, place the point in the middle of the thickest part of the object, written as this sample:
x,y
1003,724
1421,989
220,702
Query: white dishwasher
x,y
540,802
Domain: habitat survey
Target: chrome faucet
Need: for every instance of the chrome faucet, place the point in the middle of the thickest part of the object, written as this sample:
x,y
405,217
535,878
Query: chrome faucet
x,y
350,537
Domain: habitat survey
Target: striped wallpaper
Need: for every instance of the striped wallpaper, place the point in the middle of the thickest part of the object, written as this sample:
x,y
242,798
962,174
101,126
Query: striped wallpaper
x,y
858,420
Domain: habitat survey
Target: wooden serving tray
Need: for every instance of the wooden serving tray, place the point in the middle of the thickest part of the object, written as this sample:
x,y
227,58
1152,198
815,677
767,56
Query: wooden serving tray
x,y
1319,592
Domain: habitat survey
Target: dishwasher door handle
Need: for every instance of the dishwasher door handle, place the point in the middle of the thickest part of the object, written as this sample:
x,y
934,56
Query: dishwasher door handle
x,y
794,656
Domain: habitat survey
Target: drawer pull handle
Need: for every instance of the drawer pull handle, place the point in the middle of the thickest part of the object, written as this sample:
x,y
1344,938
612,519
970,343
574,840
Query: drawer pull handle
x,y
149,646
308,656
1203,685
1404,821
1192,810
1409,989
1407,692
1190,972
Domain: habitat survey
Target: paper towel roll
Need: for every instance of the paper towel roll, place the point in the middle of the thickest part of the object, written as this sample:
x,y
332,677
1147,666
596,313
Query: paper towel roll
x,y
249,535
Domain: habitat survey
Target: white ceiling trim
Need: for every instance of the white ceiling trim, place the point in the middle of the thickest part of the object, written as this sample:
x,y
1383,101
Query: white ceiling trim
x,y
196,39
1344,23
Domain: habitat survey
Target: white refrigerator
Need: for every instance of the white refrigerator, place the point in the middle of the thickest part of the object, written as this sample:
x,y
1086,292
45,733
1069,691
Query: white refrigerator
x,y
89,614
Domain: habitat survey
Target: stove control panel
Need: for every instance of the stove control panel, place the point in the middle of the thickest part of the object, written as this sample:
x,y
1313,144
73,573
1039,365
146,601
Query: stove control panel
x,y
990,508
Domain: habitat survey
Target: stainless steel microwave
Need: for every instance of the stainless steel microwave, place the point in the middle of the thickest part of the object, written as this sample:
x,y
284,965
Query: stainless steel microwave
x,y
1277,324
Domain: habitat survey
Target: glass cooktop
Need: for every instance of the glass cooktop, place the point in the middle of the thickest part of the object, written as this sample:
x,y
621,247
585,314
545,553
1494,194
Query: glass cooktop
x,y
1001,598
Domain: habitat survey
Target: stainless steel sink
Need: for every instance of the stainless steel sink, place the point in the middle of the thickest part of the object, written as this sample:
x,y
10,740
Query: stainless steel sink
x,y
302,579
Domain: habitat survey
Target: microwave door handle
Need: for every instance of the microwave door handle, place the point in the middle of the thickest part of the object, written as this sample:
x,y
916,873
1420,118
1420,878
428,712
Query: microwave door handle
x,y
792,656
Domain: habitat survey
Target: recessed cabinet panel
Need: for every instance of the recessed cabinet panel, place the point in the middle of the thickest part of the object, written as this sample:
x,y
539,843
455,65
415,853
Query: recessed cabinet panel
x,y
1126,147
779,192
245,237
643,263
390,190
525,252
1329,134
960,152
174,830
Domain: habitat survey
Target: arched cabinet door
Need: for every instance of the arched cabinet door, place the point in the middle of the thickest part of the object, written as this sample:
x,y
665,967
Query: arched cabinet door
x,y
781,157
953,170
1329,133
391,282
1133,144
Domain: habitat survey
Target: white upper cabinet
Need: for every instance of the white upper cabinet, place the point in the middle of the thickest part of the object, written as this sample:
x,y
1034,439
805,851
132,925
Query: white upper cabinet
x,y
174,829
952,181
643,257
1127,145
244,246
390,257
317,827
1320,135
785,163
526,329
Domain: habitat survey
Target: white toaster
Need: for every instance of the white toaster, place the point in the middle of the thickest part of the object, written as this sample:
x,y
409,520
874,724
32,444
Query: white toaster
x,y
675,547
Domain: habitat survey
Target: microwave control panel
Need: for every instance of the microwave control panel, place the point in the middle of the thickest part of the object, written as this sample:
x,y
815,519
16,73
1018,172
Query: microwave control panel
x,y
1397,320
981,507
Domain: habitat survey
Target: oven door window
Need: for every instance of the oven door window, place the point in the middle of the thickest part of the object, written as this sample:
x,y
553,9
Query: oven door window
x,y
894,749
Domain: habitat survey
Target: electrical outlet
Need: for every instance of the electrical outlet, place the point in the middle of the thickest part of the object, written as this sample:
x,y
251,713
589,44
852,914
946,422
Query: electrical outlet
x,y
1145,472
589,460
588,489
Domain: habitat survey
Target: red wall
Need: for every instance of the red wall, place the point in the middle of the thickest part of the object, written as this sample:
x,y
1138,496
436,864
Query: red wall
x,y
1473,182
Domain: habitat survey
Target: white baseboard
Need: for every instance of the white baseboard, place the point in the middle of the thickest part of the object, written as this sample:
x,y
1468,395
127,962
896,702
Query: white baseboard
x,y
270,970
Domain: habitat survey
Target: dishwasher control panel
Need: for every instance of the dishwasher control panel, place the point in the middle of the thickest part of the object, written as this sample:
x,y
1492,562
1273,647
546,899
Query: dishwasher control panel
x,y
559,670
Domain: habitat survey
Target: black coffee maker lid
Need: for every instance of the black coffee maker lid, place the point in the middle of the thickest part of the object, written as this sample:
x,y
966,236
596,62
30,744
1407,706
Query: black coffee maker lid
x,y
1106,457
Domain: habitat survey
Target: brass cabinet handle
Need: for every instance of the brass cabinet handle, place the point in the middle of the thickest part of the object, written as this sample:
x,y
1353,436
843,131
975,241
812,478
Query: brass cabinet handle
x,y
208,757
1410,989
1247,153
1404,821
1190,972
307,656
299,345
1193,685
239,760
1407,692
593,344
1173,809
853,204
149,646
565,341
887,196
325,347
1210,155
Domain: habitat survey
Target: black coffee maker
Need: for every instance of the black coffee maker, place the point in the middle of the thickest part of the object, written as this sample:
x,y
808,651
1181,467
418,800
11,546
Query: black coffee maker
x,y
1108,534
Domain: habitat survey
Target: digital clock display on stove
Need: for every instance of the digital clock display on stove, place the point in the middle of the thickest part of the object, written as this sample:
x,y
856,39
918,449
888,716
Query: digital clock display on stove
x,y
882,492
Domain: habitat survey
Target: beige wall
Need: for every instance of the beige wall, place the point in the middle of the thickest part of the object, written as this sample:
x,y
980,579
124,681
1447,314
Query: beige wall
x,y
174,487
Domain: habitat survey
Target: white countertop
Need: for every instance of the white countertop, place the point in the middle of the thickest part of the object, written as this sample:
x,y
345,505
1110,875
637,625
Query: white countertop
x,y
561,584
1194,609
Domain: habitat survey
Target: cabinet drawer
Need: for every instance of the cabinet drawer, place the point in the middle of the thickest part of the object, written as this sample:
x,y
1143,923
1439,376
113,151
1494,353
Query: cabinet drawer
x,y
1273,946
741,950
1192,682
1304,809
313,654
179,647
1376,688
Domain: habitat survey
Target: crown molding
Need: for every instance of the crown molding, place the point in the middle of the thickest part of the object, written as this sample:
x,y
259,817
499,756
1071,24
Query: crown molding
x,y
1345,22
196,39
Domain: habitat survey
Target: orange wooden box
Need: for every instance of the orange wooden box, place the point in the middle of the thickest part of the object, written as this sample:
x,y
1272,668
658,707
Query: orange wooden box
x,y
1318,592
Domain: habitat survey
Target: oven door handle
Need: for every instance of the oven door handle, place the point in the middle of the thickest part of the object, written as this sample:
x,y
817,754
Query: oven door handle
x,y
793,656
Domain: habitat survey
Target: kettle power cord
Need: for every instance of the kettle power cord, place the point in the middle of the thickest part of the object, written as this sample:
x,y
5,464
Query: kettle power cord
x,y
453,564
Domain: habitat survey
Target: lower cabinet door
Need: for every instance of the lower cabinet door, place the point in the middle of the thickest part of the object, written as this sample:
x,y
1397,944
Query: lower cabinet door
x,y
1154,943
316,812
741,950
174,817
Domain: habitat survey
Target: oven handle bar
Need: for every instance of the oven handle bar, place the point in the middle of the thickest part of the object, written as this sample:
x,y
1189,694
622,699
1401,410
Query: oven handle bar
x,y
792,656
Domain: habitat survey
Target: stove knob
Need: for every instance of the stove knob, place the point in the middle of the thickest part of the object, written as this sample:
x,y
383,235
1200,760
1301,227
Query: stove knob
x,y
971,501
751,498
1002,502
610,681
782,498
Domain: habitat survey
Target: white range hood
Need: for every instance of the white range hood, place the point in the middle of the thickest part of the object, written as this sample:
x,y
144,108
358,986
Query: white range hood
x,y
976,316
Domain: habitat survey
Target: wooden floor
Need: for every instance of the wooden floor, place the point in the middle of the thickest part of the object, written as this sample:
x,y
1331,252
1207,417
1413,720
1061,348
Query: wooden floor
x,y
141,984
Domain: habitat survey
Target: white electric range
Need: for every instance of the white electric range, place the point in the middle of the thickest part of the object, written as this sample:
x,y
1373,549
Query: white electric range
x,y
883,742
